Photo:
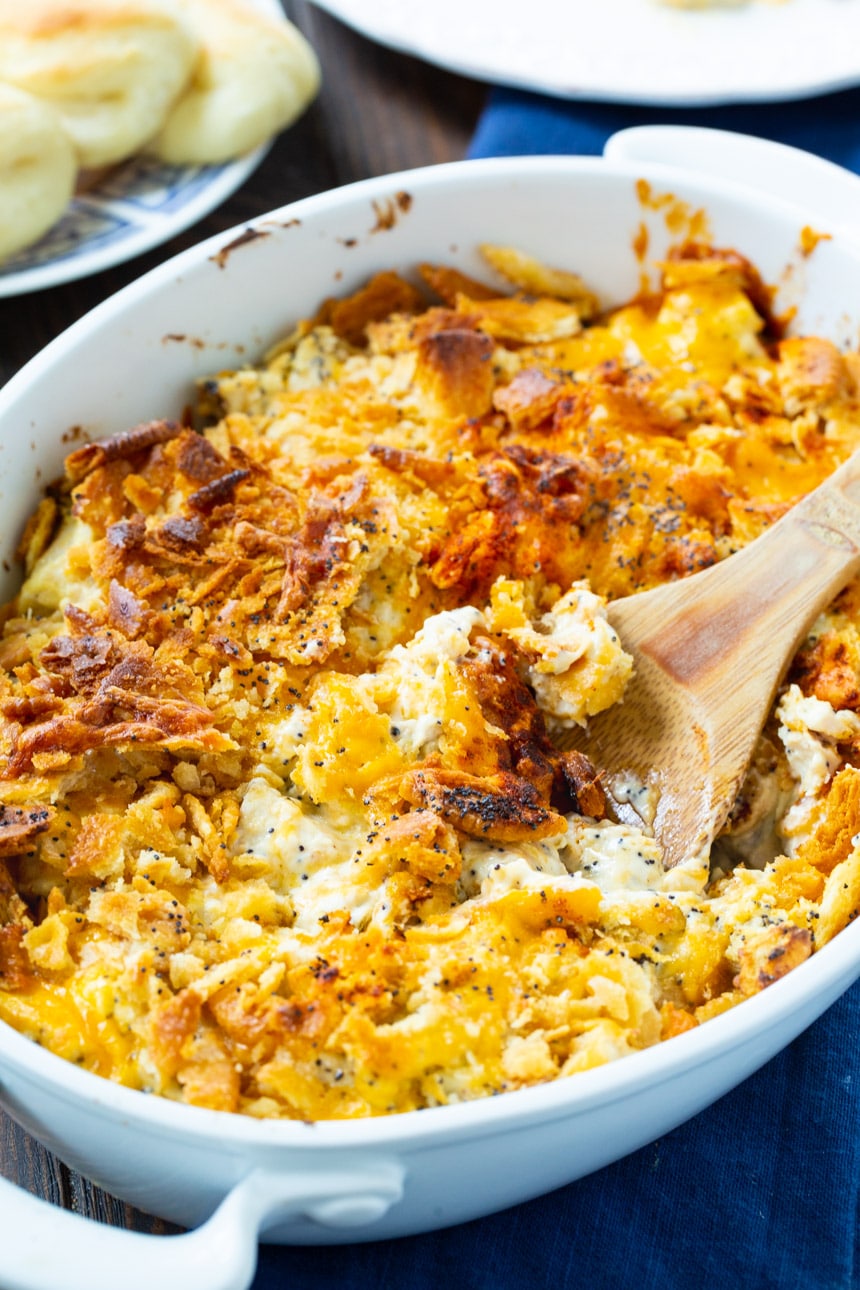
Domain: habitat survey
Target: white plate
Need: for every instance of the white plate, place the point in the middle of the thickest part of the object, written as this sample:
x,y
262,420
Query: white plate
x,y
136,206
627,51
139,205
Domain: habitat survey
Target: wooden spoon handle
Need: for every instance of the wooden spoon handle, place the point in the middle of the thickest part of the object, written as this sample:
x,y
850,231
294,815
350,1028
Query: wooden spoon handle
x,y
760,603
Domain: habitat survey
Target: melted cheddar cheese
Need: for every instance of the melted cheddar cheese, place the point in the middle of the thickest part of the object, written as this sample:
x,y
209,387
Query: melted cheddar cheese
x,y
285,825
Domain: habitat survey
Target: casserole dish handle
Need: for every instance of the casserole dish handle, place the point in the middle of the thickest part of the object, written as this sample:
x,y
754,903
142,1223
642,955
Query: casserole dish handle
x,y
46,1248
776,168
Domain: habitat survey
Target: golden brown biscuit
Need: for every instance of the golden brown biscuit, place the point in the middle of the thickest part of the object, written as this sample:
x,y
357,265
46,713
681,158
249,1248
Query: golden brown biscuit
x,y
112,69
37,169
253,78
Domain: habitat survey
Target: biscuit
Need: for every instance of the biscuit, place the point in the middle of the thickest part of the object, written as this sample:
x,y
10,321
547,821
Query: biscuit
x,y
37,169
112,69
253,78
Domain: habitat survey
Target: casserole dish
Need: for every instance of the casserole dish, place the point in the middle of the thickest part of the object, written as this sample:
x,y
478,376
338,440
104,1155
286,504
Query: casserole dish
x,y
136,357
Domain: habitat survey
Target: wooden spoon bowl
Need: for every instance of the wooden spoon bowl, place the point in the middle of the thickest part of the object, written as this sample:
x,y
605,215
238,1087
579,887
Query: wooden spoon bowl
x,y
710,652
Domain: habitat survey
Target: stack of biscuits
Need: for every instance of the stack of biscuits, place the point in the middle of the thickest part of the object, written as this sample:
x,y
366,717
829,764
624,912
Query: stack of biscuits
x,y
85,84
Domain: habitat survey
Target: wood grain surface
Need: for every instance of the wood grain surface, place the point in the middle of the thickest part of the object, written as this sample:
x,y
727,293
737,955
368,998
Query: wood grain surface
x,y
377,112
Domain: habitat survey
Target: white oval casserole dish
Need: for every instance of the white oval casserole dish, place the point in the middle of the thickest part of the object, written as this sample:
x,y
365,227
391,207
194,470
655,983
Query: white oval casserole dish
x,y
136,357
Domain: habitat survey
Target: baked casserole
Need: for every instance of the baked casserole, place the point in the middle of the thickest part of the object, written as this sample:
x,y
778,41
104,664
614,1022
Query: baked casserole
x,y
287,825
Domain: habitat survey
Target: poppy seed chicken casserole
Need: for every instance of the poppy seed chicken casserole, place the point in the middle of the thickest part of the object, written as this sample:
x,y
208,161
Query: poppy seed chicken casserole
x,y
286,826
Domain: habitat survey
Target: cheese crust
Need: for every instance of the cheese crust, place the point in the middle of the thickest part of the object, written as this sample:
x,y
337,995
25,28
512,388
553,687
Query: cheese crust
x,y
285,826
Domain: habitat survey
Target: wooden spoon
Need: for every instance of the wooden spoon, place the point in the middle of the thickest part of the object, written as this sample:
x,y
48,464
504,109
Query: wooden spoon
x,y
709,653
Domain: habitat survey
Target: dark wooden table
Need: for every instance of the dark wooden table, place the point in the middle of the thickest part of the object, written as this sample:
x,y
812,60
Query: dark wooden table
x,y
377,112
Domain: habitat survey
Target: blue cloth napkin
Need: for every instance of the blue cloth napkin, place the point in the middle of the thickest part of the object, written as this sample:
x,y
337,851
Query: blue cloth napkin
x,y
516,123
762,1190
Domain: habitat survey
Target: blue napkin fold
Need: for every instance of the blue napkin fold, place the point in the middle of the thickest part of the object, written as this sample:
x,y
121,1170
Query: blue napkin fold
x,y
516,123
762,1190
